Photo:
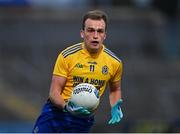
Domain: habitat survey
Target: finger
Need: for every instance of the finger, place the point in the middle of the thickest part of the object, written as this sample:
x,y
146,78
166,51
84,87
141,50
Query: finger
x,y
121,114
83,111
112,120
117,119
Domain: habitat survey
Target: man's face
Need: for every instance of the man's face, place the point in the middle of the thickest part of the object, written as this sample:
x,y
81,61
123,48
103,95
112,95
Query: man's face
x,y
94,34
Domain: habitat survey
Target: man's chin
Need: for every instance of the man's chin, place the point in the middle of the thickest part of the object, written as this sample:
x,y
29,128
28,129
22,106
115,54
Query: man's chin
x,y
94,49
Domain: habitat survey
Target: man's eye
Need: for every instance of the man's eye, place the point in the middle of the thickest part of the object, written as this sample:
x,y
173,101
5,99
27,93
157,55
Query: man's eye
x,y
90,30
93,30
100,31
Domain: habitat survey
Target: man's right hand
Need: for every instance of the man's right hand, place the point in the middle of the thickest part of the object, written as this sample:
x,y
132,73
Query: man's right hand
x,y
76,110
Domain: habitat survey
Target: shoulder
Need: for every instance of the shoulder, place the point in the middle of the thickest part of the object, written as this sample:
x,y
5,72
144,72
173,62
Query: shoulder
x,y
71,49
112,55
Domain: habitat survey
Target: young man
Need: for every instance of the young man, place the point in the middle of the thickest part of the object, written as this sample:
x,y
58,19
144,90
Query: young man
x,y
86,62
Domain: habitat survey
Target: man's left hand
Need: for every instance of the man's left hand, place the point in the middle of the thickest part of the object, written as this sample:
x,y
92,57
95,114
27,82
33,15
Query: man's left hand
x,y
116,113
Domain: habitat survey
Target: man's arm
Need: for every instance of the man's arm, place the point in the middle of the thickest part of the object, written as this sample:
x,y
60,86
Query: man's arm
x,y
115,101
57,85
115,92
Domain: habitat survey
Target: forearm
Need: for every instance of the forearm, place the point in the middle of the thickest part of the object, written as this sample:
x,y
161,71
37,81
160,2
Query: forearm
x,y
56,89
114,96
57,99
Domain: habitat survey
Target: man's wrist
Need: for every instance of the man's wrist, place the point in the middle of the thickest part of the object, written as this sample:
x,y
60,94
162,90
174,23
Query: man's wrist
x,y
64,106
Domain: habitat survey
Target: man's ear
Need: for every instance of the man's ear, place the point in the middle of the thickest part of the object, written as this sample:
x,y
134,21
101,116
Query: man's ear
x,y
82,33
105,36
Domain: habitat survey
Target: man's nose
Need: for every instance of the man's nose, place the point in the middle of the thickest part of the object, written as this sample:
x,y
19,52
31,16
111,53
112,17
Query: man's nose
x,y
95,35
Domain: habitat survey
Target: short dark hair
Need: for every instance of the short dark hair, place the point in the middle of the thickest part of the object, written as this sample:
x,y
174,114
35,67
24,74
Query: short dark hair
x,y
95,15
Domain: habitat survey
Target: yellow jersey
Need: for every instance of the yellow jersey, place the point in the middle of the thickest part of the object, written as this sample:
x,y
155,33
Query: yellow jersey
x,y
79,66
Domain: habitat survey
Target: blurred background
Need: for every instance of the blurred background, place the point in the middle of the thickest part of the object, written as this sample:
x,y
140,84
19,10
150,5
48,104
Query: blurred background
x,y
143,33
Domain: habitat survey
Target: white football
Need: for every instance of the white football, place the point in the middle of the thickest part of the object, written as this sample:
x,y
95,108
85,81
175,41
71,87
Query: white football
x,y
85,95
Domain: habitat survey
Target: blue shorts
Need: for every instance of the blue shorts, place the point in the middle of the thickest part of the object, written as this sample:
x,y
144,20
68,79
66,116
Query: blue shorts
x,y
55,120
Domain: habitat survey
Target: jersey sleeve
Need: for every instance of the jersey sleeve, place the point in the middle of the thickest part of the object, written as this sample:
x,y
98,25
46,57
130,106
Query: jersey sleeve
x,y
60,67
118,73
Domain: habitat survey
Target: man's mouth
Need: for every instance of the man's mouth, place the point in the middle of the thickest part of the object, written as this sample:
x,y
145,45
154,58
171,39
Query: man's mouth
x,y
95,42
